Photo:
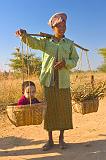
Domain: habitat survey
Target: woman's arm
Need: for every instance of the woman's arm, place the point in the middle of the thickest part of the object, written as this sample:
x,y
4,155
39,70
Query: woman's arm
x,y
32,42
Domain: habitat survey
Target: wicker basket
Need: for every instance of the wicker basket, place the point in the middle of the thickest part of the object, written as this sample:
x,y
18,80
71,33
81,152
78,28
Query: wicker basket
x,y
26,115
87,106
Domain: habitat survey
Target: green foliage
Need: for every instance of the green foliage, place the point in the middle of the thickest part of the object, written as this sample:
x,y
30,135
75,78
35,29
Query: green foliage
x,y
102,52
24,64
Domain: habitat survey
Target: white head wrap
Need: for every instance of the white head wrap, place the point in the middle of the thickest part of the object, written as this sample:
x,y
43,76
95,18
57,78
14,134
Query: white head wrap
x,y
57,18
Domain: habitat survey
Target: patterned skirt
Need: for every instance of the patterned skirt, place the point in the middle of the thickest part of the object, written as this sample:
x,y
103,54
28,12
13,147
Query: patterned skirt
x,y
59,108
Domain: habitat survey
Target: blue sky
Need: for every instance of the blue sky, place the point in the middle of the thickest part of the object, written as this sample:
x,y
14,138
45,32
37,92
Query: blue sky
x,y
86,24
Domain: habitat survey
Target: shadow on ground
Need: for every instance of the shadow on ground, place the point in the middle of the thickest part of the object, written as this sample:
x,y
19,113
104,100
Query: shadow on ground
x,y
11,142
91,150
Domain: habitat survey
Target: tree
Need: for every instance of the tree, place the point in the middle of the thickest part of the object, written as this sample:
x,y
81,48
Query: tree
x,y
27,64
102,51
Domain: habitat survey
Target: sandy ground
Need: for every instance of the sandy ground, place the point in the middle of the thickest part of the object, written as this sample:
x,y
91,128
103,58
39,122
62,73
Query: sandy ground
x,y
87,141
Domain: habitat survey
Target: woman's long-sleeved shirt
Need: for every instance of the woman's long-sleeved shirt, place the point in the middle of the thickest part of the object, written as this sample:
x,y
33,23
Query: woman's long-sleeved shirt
x,y
65,50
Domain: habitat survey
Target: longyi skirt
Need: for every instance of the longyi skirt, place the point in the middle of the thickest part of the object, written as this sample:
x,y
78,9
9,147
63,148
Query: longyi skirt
x,y
59,109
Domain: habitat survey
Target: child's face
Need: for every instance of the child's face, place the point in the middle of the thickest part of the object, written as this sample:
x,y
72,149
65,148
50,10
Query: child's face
x,y
30,92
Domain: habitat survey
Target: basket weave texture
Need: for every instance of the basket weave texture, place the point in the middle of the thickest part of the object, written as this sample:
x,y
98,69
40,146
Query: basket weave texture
x,y
26,115
87,106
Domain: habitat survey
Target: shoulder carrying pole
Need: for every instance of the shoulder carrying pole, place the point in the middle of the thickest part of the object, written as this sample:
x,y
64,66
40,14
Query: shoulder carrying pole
x,y
41,34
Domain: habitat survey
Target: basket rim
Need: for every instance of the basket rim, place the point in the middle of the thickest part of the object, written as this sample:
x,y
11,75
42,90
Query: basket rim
x,y
42,104
87,100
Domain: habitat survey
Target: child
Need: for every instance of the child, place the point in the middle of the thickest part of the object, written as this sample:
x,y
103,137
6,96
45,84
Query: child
x,y
28,91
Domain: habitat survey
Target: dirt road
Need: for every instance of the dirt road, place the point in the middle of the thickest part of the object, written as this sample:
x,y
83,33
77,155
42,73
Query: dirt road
x,y
87,141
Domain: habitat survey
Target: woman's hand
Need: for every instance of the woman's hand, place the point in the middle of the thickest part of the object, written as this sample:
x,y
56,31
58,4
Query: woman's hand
x,y
59,65
20,32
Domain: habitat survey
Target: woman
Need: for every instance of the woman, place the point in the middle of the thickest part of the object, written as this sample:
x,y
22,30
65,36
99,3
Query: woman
x,y
59,56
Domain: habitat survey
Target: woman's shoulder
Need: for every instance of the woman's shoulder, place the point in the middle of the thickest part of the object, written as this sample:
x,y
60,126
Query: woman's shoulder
x,y
68,40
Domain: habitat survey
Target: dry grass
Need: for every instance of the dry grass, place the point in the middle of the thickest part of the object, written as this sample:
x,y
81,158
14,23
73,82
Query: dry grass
x,y
82,88
86,77
10,88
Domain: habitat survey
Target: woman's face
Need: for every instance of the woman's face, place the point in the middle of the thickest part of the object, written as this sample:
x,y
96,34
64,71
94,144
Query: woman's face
x,y
60,28
30,92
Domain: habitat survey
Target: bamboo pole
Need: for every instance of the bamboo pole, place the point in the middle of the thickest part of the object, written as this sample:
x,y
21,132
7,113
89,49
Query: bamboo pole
x,y
41,34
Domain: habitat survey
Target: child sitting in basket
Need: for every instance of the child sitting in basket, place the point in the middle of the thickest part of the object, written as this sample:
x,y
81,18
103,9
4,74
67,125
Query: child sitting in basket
x,y
28,91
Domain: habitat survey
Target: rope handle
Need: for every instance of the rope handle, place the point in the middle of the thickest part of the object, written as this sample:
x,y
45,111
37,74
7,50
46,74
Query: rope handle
x,y
92,75
80,66
28,71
